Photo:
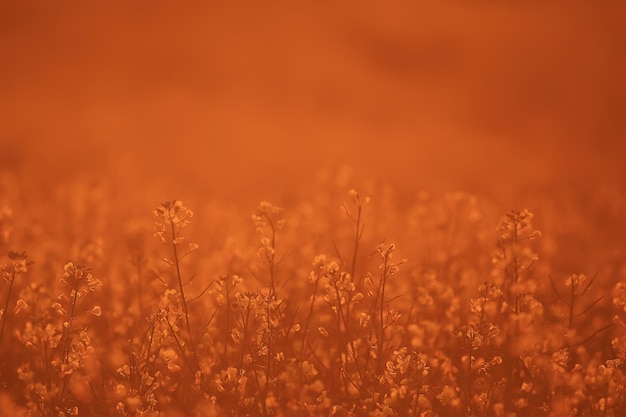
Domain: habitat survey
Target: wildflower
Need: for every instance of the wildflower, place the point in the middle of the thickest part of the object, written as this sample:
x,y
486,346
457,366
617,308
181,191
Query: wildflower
x,y
231,373
77,276
19,265
21,305
172,217
448,396
560,360
246,301
308,370
386,252
235,334
268,215
236,280
364,319
357,202
575,280
517,225
95,311
9,273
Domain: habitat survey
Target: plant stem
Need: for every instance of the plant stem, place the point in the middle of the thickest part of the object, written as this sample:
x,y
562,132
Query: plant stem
x,y
6,307
180,285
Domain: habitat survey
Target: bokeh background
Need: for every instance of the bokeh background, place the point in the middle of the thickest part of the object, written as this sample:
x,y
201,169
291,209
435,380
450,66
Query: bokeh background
x,y
250,100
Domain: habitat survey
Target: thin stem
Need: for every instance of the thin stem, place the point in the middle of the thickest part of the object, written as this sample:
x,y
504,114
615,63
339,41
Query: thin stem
x,y
180,285
226,338
309,315
383,280
180,346
358,233
6,307
270,341
272,260
68,337
571,305
516,276
357,237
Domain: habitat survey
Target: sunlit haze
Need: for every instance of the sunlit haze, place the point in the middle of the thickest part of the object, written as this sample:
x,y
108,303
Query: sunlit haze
x,y
253,96
313,209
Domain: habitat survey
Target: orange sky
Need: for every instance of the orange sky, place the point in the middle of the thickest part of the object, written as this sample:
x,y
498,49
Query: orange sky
x,y
236,96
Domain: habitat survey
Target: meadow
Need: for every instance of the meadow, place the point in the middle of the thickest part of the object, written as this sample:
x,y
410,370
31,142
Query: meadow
x,y
336,302
179,236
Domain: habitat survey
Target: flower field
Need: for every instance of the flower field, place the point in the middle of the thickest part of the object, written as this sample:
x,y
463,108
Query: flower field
x,y
338,303
312,209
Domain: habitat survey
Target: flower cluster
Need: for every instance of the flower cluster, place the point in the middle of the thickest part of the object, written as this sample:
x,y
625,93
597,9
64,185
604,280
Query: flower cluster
x,y
172,217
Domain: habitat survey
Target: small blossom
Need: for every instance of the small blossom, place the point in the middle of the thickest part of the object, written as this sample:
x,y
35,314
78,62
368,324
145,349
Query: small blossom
x,y
172,217
235,334
95,311
575,280
21,305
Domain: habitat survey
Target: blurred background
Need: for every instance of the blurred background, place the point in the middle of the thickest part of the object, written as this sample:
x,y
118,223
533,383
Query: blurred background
x,y
250,100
